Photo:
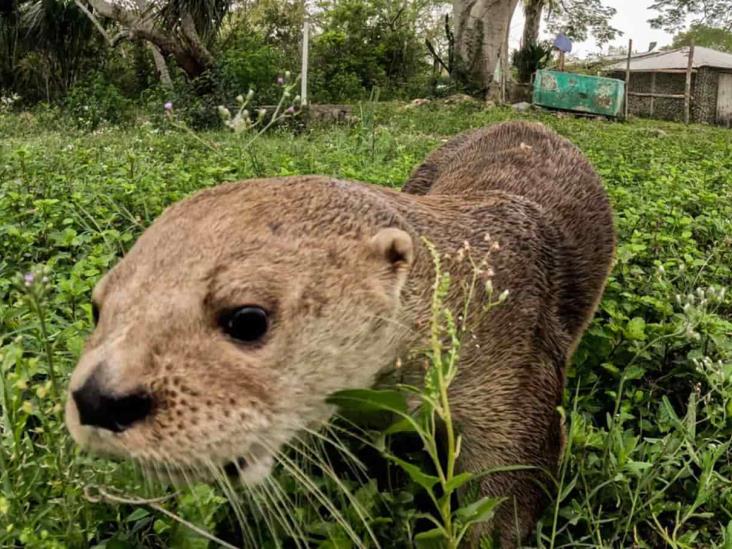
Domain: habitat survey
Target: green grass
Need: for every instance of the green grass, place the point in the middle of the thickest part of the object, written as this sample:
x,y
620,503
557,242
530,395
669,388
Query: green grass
x,y
649,395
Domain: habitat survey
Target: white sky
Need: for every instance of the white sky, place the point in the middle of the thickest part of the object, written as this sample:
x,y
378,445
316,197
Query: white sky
x,y
631,18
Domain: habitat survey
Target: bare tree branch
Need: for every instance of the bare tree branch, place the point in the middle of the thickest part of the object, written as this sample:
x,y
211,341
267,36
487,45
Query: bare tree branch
x,y
94,20
434,54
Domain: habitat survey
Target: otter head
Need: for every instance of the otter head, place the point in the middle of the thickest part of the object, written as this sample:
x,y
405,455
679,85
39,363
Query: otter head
x,y
223,330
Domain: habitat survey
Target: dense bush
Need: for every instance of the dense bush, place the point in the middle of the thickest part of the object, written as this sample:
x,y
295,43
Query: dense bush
x,y
54,50
649,395
364,45
248,62
96,101
47,47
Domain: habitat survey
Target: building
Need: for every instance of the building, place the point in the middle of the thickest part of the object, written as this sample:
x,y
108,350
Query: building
x,y
664,73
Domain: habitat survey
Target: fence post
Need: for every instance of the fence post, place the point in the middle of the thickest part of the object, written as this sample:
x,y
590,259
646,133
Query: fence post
x,y
504,63
687,88
304,71
627,77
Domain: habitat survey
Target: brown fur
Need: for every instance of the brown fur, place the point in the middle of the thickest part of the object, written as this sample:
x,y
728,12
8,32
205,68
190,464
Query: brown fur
x,y
344,270
560,272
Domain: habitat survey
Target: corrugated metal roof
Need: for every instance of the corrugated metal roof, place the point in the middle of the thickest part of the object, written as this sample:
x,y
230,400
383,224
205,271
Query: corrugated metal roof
x,y
675,60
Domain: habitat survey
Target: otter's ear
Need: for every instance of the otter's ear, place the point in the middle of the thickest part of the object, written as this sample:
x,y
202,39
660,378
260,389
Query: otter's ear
x,y
393,246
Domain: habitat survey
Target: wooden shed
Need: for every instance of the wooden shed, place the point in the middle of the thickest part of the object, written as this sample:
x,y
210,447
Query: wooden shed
x,y
658,83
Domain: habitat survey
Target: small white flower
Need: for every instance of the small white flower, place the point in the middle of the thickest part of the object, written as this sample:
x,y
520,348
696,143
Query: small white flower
x,y
224,113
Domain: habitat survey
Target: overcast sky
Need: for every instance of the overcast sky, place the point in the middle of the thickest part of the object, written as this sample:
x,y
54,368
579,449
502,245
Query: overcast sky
x,y
631,18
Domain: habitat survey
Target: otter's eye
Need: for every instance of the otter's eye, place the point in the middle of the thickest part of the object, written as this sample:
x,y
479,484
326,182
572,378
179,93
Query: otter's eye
x,y
247,324
95,313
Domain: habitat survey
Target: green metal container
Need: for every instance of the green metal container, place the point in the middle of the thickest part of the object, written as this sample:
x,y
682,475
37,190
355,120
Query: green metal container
x,y
569,91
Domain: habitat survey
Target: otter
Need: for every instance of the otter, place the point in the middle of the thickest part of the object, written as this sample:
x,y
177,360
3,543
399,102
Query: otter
x,y
222,332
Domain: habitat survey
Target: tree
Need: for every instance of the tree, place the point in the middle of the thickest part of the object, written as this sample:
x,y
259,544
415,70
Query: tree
x,y
532,21
45,46
480,28
574,18
177,28
10,42
365,44
703,35
279,22
674,14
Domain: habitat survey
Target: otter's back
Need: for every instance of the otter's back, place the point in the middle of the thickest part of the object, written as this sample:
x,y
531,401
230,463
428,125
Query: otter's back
x,y
532,161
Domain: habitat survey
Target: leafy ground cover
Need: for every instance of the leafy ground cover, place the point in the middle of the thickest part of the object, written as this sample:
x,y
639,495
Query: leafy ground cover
x,y
649,396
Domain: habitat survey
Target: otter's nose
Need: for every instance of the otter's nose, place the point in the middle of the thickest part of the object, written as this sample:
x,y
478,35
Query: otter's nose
x,y
99,407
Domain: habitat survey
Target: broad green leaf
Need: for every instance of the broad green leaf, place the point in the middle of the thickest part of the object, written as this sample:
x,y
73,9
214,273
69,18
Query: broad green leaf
x,y
425,480
138,514
457,481
728,536
402,425
479,511
370,400
636,329
611,368
431,539
435,533
634,372
637,467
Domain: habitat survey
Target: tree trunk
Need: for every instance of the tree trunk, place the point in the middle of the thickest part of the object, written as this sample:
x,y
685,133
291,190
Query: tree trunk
x,y
195,44
189,52
480,28
160,66
532,21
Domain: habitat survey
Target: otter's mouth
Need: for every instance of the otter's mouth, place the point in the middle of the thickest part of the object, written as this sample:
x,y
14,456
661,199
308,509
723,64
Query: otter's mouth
x,y
235,468
246,470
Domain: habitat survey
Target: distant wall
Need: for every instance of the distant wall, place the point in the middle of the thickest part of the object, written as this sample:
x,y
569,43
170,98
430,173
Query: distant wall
x,y
704,105
704,84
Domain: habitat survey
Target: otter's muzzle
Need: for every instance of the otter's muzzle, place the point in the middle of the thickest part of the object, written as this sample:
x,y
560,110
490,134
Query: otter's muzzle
x,y
100,407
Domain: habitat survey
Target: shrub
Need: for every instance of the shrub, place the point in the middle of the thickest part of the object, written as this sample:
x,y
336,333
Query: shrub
x,y
363,46
96,101
247,62
529,59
